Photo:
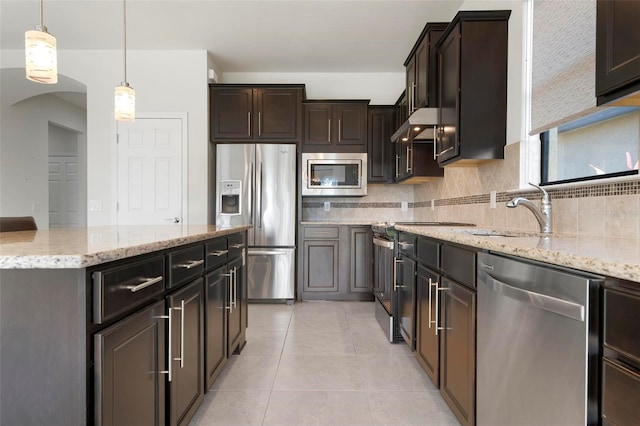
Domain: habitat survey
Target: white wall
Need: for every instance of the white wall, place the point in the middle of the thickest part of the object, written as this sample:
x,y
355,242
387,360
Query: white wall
x,y
24,172
165,81
381,88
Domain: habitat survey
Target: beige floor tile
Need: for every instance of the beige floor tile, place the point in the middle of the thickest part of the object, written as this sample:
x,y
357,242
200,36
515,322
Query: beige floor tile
x,y
392,373
319,343
324,372
410,408
369,343
248,372
264,342
232,408
318,408
310,322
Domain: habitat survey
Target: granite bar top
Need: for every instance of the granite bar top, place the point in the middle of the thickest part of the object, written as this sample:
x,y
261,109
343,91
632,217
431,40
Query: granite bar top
x,y
615,257
339,222
83,247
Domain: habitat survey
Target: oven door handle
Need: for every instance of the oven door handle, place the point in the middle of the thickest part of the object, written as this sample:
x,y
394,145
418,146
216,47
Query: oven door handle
x,y
383,243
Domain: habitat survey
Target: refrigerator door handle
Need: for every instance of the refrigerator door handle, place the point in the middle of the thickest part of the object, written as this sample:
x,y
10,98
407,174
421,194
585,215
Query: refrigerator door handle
x,y
259,195
266,253
250,201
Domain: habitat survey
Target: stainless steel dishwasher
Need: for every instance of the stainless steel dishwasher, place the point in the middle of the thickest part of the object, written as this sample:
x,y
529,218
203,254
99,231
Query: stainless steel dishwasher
x,y
537,344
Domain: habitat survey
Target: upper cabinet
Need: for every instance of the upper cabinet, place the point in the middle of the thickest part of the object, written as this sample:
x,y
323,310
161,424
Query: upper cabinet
x,y
421,68
380,122
472,78
335,126
618,52
250,113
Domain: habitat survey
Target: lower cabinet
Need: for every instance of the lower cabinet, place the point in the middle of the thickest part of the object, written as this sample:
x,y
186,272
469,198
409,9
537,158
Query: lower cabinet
x,y
406,296
237,309
457,350
186,351
336,263
427,333
215,324
129,361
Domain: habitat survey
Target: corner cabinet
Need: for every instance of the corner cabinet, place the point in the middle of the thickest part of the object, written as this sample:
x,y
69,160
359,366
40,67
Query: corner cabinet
x,y
472,78
335,126
336,262
618,52
255,113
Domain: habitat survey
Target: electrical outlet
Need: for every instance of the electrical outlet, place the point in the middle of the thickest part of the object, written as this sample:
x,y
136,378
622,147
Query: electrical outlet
x,y
327,206
35,207
433,205
492,200
95,205
404,206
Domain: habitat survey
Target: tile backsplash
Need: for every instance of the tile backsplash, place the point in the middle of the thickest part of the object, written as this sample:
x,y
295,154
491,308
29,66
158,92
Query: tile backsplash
x,y
596,209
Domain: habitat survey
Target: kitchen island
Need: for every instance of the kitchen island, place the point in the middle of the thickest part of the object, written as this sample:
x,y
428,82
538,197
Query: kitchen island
x,y
64,293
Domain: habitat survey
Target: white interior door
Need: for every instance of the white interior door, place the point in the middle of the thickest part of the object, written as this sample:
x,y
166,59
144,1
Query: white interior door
x,y
64,203
150,186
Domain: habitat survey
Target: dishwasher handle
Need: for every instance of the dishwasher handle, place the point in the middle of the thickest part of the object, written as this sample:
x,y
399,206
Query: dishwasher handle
x,y
552,304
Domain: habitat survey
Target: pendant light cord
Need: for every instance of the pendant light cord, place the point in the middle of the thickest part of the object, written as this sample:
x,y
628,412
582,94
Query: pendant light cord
x,y
42,13
124,2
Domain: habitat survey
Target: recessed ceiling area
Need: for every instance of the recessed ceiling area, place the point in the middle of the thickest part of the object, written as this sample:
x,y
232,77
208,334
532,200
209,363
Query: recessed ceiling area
x,y
241,36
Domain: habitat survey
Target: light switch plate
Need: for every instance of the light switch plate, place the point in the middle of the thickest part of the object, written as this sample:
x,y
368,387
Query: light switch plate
x,y
492,200
433,204
327,206
404,206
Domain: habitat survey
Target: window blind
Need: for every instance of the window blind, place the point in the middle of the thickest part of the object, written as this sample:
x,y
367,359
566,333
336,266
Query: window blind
x,y
563,62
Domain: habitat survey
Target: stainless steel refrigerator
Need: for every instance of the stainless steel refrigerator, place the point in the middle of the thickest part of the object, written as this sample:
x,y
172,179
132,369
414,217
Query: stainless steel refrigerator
x,y
256,185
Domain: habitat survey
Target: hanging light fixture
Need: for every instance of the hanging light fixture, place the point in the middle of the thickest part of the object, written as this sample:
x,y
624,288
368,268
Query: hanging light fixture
x,y
125,100
40,54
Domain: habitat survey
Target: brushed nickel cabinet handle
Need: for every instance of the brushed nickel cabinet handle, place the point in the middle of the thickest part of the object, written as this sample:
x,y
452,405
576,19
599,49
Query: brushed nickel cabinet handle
x,y
148,282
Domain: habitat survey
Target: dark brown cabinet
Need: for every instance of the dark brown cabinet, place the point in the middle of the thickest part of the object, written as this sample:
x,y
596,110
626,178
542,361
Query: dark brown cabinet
x,y
458,350
186,351
335,126
472,81
427,335
618,52
380,122
421,70
415,162
129,362
337,263
237,307
406,298
215,324
245,113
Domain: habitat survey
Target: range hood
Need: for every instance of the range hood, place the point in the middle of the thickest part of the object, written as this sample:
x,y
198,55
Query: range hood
x,y
419,126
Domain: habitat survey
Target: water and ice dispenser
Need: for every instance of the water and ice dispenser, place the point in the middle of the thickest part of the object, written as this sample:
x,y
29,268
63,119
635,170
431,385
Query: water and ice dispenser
x,y
230,197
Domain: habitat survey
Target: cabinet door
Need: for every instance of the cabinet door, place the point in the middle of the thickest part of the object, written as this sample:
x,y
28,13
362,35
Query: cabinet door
x,y
422,74
277,111
617,45
317,125
351,126
410,70
360,256
215,324
433,35
447,145
427,336
402,167
457,350
320,266
379,147
234,301
231,113
406,295
129,358
186,388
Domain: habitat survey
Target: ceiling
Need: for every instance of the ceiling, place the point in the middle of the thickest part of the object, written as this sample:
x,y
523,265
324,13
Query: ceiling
x,y
241,36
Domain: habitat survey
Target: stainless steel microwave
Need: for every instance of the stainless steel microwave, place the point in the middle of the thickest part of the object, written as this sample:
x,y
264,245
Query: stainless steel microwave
x,y
334,174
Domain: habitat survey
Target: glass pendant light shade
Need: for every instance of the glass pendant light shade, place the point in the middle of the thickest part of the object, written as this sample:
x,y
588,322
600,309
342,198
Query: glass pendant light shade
x,y
41,58
125,102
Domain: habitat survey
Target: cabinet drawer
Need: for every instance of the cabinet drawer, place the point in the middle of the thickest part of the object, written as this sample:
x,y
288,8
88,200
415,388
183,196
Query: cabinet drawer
x,y
622,321
620,390
407,244
185,264
216,253
122,288
459,264
428,253
329,232
237,244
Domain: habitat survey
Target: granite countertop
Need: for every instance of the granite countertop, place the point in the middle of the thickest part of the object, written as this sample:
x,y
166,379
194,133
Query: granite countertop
x,y
615,257
83,247
339,222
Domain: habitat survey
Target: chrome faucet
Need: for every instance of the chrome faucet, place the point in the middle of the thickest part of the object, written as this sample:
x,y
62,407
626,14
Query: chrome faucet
x,y
543,215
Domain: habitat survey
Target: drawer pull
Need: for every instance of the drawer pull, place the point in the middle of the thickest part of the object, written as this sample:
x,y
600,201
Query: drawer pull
x,y
237,246
190,264
145,284
218,253
404,244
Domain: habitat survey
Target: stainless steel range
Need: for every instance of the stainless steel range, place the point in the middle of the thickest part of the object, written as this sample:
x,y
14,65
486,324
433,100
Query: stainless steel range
x,y
384,274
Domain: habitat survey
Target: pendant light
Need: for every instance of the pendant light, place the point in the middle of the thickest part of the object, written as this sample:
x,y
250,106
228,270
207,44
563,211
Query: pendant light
x,y
41,58
125,99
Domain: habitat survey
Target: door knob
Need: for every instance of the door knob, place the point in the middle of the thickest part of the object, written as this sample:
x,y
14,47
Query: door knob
x,y
174,219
